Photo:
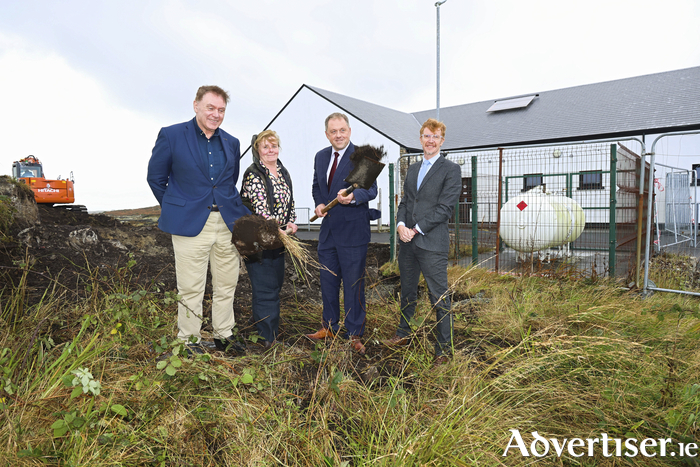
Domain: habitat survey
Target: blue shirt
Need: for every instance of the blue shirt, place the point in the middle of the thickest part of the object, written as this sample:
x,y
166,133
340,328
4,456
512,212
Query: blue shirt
x,y
212,152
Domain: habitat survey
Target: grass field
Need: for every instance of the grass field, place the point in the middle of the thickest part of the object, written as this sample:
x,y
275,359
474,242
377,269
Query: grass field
x,y
561,356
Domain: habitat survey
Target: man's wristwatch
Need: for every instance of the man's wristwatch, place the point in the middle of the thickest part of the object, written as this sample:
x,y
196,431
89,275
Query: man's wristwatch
x,y
415,230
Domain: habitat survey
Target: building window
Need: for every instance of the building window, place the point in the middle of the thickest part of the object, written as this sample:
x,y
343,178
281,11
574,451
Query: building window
x,y
530,181
695,176
590,180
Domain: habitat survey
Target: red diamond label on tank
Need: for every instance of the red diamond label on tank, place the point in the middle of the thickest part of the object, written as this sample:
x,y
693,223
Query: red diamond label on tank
x,y
522,205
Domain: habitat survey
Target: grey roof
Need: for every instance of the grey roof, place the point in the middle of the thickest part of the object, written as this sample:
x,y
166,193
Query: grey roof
x,y
400,127
649,104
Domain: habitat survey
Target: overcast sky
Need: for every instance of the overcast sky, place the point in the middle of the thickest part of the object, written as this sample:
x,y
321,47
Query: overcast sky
x,y
86,85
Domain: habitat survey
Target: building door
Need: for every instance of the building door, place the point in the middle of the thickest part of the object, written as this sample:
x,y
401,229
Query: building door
x,y
465,201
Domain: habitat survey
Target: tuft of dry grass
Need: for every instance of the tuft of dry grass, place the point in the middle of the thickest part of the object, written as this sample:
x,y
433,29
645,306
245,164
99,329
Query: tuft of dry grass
x,y
302,260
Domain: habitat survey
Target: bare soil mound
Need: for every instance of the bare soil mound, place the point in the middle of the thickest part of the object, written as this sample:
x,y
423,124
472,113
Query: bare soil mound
x,y
68,250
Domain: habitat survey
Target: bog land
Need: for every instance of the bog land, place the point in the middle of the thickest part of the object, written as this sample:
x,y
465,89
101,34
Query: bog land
x,y
90,374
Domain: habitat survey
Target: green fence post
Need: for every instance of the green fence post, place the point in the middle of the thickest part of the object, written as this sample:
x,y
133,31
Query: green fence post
x,y
392,216
475,218
613,205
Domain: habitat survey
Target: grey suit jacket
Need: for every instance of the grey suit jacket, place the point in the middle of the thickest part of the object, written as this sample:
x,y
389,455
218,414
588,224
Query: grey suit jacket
x,y
431,206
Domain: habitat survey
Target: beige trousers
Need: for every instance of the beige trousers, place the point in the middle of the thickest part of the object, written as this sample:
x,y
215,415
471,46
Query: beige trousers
x,y
192,256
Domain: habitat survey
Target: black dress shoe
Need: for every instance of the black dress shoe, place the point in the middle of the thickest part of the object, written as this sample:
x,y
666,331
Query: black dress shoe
x,y
193,349
207,345
229,345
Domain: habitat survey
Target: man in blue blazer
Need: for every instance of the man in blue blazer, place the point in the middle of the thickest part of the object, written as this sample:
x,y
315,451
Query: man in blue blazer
x,y
430,192
344,235
193,172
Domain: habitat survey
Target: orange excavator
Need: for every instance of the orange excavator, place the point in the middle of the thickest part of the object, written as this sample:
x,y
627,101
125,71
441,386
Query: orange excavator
x,y
55,193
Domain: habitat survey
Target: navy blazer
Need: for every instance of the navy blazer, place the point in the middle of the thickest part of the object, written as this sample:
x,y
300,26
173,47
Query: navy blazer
x,y
179,178
349,223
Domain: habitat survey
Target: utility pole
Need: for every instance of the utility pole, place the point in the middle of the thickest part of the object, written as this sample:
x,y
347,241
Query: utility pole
x,y
437,6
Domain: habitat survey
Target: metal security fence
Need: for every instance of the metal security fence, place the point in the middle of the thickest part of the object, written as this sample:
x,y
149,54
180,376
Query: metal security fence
x,y
672,213
575,206
674,222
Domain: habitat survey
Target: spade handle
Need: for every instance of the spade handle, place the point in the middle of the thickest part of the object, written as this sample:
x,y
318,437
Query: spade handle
x,y
328,207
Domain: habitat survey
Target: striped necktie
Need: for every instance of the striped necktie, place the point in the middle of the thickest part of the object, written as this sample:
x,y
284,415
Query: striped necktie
x,y
335,166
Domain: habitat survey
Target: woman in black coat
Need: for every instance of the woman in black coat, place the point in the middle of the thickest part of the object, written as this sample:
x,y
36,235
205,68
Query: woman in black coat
x,y
267,191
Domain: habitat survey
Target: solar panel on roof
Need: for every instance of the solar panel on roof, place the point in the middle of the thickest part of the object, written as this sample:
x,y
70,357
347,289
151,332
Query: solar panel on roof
x,y
516,103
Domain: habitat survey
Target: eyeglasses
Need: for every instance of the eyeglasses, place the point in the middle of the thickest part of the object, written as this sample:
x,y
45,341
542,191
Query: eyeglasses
x,y
434,137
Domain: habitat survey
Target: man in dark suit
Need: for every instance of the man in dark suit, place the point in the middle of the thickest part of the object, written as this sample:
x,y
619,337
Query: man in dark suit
x,y
430,192
193,172
344,235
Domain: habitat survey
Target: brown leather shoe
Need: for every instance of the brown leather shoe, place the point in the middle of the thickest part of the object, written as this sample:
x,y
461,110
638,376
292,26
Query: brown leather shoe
x,y
320,334
397,341
357,345
441,360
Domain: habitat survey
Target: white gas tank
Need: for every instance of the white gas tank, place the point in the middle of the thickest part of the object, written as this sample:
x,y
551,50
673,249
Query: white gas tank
x,y
536,220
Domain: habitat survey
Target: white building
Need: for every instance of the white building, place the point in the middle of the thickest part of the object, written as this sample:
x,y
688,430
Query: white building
x,y
638,107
